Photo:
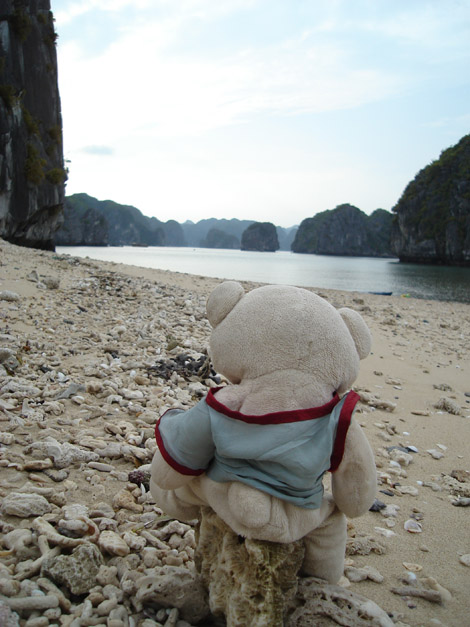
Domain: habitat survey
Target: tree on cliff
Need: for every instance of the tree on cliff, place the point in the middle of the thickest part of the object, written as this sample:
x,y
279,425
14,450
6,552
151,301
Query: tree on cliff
x,y
260,236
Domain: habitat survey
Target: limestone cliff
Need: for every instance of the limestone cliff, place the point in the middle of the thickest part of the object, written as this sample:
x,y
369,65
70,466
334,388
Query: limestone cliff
x,y
433,215
345,230
32,174
93,222
260,236
83,225
196,233
216,238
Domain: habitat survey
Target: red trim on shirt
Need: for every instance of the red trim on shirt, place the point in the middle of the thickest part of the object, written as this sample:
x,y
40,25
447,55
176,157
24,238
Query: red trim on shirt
x,y
276,418
184,470
343,425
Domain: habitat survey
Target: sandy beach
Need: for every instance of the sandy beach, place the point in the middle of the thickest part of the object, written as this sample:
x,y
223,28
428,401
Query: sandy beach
x,y
81,389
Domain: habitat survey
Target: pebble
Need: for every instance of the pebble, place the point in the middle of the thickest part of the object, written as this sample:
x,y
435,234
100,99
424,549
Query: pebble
x,y
112,543
88,381
435,453
10,297
25,505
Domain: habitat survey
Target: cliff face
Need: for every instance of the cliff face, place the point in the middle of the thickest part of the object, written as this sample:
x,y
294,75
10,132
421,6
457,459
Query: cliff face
x,y
92,222
83,225
196,233
345,230
433,215
260,236
32,174
216,238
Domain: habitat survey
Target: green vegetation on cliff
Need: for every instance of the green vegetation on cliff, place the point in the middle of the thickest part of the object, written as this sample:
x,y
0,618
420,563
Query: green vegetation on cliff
x,y
345,230
260,236
216,238
116,225
32,173
433,214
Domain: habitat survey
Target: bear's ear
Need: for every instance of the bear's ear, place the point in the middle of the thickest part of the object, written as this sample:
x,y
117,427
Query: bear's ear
x,y
222,300
358,329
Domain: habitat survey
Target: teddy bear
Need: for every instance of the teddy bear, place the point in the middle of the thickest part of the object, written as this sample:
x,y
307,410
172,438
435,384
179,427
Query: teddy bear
x,y
256,450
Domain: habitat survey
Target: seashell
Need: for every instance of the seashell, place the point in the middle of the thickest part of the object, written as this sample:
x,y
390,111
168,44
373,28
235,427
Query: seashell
x,y
413,526
465,559
414,568
112,543
387,533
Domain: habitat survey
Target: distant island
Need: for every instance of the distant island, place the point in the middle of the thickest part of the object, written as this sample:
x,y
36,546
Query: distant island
x,y
429,224
92,222
345,230
432,218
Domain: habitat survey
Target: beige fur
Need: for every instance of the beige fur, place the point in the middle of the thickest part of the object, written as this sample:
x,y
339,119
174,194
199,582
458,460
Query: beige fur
x,y
282,348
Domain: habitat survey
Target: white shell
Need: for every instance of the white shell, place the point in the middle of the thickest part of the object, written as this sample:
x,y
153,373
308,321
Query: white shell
x,y
413,526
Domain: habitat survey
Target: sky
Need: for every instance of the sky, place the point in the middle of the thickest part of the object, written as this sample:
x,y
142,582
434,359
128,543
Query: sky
x,y
267,110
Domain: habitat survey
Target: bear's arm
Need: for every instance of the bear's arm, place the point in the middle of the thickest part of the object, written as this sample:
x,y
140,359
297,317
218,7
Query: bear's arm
x,y
165,476
185,447
354,483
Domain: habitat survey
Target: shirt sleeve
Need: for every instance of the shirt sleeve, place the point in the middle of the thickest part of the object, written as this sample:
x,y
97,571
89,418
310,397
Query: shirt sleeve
x,y
185,439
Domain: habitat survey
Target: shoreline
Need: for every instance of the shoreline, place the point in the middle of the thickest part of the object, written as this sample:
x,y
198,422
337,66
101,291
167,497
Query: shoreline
x,y
331,271
107,324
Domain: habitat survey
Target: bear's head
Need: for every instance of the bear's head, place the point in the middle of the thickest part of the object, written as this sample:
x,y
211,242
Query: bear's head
x,y
285,329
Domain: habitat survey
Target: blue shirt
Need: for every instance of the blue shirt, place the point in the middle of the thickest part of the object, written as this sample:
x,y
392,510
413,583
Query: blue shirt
x,y
284,454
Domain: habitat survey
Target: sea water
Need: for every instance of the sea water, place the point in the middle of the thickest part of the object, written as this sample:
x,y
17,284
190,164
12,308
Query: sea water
x,y
361,274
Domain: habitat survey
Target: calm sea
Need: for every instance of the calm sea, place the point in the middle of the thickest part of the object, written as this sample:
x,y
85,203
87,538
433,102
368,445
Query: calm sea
x,y
362,274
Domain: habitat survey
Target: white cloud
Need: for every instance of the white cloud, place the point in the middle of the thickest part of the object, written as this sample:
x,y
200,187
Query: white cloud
x,y
136,86
154,100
